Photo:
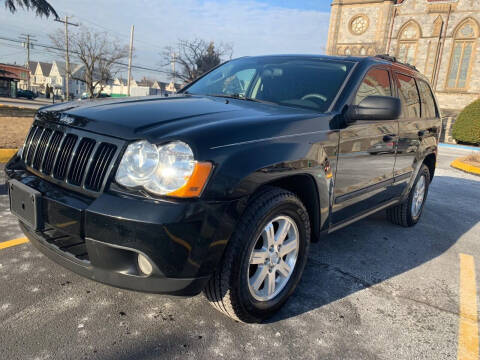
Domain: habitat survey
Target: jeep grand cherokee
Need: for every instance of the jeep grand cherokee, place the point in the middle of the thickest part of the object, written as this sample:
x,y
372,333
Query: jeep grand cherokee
x,y
222,187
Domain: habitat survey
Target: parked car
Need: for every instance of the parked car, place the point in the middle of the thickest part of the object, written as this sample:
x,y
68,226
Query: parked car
x,y
222,187
28,94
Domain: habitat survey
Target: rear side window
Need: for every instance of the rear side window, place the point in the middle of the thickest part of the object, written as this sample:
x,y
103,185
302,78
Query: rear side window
x,y
407,90
376,82
429,109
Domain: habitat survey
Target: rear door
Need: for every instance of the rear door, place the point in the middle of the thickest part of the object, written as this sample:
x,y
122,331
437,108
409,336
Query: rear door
x,y
416,126
366,155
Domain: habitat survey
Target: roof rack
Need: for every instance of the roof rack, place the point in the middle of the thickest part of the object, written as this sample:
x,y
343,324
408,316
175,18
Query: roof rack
x,y
394,59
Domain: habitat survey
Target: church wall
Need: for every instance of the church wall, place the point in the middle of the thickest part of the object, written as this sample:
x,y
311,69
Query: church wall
x,y
424,14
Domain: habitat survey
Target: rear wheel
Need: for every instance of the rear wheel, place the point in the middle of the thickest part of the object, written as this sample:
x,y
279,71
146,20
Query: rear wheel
x,y
409,212
264,259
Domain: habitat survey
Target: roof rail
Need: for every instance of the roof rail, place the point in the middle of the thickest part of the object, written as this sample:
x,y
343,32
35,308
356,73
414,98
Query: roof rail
x,y
394,59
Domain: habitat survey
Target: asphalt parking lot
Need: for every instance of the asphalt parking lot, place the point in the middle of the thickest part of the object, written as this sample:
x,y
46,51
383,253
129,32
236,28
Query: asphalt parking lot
x,y
370,291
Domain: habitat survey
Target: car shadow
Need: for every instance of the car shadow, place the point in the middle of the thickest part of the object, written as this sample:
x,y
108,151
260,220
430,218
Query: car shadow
x,y
374,250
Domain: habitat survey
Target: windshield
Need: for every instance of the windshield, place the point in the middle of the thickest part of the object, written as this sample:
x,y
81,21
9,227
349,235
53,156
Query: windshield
x,y
310,83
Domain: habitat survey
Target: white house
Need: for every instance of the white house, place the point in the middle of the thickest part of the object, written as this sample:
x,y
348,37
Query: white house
x,y
57,78
40,76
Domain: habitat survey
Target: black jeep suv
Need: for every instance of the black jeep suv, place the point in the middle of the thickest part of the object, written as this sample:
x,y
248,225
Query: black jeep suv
x,y
222,187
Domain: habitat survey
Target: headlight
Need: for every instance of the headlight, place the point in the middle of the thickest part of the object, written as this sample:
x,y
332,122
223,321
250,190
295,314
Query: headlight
x,y
168,169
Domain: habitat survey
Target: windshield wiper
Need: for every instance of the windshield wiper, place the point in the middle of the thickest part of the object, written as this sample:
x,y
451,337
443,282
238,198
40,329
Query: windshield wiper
x,y
228,96
241,97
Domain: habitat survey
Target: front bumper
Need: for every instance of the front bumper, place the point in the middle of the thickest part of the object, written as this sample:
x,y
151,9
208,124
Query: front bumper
x,y
100,238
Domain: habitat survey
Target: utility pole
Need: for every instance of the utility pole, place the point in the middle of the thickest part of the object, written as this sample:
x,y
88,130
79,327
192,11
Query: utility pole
x,y
27,38
67,60
130,60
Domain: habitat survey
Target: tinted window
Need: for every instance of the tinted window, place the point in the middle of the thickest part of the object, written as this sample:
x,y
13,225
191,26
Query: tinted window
x,y
426,97
376,82
311,83
407,90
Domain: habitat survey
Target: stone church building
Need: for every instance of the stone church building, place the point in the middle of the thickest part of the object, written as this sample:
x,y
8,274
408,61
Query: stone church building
x,y
440,37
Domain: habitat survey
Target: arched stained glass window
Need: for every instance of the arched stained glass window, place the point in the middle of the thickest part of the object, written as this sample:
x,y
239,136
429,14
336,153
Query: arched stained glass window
x,y
462,53
407,43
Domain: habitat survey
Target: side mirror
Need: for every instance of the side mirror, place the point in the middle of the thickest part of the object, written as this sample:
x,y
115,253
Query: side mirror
x,y
375,108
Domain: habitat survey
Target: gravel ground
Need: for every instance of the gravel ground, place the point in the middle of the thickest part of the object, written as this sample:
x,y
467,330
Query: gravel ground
x,y
370,291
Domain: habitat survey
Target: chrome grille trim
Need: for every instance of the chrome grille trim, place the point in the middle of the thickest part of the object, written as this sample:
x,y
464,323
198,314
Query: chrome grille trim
x,y
71,158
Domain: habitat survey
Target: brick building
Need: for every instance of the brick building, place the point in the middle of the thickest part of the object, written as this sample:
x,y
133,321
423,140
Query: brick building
x,y
440,37
10,75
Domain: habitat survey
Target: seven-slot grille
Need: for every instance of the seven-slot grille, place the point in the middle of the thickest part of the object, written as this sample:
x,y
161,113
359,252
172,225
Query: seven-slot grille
x,y
68,157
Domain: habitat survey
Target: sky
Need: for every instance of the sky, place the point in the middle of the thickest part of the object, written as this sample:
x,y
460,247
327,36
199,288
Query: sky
x,y
252,27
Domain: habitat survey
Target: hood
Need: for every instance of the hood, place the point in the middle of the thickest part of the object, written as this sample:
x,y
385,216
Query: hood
x,y
160,117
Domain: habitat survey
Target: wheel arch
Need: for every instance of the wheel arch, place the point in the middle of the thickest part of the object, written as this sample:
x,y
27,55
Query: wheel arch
x,y
303,186
430,161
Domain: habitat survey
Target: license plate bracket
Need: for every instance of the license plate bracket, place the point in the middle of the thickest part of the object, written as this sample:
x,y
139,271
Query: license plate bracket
x,y
26,204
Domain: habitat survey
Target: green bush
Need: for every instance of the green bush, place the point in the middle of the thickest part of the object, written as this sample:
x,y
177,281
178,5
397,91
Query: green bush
x,y
466,128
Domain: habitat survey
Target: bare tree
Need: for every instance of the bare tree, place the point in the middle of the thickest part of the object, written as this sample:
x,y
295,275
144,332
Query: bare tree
x,y
98,54
41,7
192,58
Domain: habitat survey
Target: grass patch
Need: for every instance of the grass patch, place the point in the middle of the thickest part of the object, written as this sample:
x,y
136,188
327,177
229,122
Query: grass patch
x,y
13,131
473,158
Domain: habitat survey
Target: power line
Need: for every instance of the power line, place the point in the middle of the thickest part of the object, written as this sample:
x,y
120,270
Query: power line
x,y
138,67
123,35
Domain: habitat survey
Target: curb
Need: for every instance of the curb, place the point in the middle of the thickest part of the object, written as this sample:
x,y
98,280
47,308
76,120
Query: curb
x,y
15,107
459,147
460,165
6,154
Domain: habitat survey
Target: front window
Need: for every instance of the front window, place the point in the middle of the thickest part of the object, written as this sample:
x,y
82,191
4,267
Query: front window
x,y
310,83
375,83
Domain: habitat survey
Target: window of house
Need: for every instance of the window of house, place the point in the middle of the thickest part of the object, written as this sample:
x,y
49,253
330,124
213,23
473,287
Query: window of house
x,y
429,110
408,93
463,49
376,82
407,44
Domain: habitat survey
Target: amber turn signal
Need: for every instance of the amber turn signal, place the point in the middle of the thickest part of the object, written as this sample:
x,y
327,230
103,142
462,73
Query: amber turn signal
x,y
196,182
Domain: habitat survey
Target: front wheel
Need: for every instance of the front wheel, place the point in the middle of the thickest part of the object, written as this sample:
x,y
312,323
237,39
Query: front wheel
x,y
408,213
264,259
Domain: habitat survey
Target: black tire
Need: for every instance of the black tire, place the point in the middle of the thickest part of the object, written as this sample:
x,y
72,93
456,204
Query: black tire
x,y
227,289
401,214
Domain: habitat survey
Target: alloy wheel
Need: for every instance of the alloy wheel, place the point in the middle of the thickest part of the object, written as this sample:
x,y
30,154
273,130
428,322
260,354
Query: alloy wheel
x,y
273,258
418,196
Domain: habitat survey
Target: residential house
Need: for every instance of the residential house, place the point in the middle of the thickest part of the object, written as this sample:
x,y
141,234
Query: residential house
x,y
23,83
145,87
173,87
41,76
58,78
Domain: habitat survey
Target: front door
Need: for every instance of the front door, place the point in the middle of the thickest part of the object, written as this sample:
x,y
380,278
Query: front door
x,y
366,156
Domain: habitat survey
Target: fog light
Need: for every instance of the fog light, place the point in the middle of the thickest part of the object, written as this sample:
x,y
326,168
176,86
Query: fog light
x,y
144,264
